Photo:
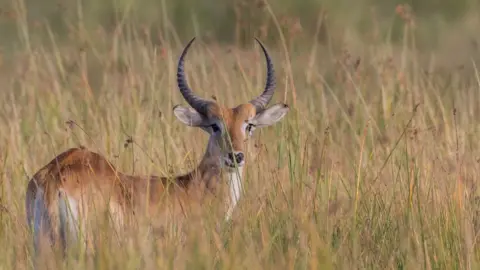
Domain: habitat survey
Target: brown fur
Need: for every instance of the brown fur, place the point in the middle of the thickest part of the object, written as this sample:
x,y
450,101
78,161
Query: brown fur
x,y
233,119
77,168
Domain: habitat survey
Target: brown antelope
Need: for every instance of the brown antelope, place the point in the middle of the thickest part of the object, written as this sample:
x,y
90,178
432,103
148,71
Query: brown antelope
x,y
60,195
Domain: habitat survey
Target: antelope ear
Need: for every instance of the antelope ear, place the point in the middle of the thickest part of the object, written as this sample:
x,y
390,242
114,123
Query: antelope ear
x,y
270,115
189,116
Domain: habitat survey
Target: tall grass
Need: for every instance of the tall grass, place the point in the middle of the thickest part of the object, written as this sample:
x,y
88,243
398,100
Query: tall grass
x,y
375,166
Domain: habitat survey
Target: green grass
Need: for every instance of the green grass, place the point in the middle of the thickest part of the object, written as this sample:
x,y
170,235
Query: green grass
x,y
374,167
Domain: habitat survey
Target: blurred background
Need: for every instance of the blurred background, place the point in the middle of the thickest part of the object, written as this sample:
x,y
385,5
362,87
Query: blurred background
x,y
447,29
239,20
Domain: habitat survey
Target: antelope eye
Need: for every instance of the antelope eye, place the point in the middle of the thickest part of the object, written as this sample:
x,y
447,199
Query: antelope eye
x,y
215,128
250,128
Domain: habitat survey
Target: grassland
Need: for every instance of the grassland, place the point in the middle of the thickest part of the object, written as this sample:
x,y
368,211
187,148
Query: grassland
x,y
375,167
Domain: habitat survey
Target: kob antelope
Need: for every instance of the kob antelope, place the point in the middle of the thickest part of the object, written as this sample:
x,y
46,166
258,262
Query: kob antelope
x,y
60,195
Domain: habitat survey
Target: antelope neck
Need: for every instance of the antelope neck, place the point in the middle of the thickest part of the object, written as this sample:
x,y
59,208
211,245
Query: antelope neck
x,y
210,170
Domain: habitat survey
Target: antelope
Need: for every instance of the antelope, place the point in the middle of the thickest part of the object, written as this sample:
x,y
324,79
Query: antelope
x,y
60,195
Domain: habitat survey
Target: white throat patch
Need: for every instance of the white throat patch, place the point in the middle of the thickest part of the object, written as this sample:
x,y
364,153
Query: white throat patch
x,y
235,188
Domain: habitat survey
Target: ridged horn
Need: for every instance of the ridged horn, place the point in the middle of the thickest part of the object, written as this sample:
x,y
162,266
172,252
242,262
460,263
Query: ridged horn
x,y
262,101
198,103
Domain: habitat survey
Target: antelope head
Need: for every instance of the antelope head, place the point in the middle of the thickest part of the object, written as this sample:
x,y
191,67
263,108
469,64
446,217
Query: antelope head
x,y
229,128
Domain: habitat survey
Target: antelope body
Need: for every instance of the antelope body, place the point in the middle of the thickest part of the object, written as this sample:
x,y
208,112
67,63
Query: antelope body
x,y
60,197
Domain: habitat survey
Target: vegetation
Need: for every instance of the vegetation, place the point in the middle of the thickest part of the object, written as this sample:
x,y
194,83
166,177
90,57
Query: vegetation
x,y
375,167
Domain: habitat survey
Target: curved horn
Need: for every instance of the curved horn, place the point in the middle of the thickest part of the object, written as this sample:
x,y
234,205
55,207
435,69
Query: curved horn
x,y
198,103
261,101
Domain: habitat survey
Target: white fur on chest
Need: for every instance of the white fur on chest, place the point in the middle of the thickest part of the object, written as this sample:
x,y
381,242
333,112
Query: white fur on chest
x,y
235,191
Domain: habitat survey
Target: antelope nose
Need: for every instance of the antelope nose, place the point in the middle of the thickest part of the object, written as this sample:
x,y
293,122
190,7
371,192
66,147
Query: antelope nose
x,y
237,157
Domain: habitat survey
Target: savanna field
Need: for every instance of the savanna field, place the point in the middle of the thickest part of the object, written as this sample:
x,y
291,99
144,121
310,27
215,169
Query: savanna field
x,y
375,166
